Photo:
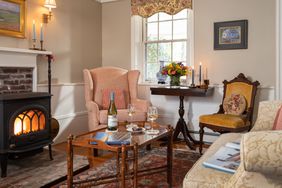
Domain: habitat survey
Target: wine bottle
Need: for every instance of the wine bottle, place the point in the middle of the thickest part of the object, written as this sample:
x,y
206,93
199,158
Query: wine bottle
x,y
112,114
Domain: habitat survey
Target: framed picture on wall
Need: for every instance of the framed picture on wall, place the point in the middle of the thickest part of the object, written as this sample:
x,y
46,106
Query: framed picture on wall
x,y
12,18
231,35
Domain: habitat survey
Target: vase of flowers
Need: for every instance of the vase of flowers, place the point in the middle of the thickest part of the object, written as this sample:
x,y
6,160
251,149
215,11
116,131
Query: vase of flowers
x,y
175,71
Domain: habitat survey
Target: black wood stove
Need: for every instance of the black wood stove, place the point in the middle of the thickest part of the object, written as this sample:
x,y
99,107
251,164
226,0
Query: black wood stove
x,y
25,124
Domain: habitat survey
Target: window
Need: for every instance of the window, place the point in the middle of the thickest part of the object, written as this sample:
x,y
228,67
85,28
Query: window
x,y
166,38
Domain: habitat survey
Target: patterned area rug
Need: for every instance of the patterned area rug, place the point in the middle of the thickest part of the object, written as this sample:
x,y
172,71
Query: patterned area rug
x,y
182,162
36,171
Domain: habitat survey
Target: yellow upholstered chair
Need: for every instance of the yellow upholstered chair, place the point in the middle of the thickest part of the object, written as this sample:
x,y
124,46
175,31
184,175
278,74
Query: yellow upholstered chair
x,y
223,121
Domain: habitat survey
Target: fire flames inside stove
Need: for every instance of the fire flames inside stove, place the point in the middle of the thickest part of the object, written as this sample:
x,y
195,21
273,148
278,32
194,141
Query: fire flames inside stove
x,y
29,121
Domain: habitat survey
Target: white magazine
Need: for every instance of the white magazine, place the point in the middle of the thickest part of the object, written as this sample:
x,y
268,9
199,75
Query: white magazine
x,y
226,159
235,144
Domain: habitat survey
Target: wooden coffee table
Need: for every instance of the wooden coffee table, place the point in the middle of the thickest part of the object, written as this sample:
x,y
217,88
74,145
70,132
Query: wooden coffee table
x,y
124,170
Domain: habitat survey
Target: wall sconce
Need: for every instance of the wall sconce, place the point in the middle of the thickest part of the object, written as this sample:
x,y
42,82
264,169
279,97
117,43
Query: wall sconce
x,y
49,4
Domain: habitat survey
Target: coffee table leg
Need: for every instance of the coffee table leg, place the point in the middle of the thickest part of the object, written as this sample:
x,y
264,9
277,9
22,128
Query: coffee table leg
x,y
123,164
135,166
70,161
169,158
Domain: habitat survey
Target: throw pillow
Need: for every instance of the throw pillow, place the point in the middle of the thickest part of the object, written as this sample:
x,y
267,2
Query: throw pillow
x,y
119,98
235,104
278,120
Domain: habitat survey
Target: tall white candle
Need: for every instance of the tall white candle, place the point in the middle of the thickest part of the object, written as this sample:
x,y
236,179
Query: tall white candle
x,y
33,30
200,73
41,32
193,75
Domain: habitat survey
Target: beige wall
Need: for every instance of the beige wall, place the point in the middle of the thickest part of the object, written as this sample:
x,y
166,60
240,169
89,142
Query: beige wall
x,y
73,35
258,61
116,34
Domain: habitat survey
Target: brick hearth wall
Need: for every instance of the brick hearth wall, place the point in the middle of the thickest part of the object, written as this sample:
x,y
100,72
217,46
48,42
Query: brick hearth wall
x,y
15,80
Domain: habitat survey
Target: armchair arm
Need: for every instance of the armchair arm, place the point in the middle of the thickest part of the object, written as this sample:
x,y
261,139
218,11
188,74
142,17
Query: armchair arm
x,y
266,115
141,104
92,107
262,152
88,85
93,115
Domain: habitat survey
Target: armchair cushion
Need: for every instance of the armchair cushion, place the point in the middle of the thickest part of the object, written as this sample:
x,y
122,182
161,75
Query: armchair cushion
x,y
278,120
241,88
224,120
266,115
236,104
119,98
108,77
261,152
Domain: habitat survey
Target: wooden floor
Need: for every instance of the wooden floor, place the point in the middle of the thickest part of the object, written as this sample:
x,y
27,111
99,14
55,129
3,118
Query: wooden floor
x,y
103,156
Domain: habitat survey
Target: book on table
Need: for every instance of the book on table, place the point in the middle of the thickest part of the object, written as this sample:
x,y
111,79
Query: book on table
x,y
226,159
113,138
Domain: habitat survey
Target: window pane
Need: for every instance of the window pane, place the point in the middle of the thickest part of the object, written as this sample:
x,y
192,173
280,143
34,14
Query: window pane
x,y
152,31
165,51
165,30
152,69
179,51
180,15
180,29
151,53
153,18
164,16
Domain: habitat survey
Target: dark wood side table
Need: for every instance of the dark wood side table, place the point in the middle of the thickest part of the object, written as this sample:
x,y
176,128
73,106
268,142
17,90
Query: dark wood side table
x,y
182,92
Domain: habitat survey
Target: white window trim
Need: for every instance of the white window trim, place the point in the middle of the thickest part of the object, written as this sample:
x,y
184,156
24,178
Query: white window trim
x,y
138,47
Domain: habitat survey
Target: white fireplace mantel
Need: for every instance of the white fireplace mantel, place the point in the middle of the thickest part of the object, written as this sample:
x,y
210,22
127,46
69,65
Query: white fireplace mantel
x,y
18,57
25,51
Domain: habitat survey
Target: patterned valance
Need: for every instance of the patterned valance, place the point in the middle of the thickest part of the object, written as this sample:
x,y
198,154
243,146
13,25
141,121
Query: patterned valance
x,y
147,8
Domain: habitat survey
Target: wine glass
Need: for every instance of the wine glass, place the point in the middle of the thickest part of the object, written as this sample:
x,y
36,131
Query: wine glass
x,y
131,112
152,114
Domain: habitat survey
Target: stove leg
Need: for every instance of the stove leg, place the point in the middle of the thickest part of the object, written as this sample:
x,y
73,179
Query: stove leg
x,y
4,162
50,152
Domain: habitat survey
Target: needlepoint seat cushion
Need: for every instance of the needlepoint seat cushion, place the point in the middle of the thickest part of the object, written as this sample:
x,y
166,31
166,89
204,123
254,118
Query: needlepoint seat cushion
x,y
224,120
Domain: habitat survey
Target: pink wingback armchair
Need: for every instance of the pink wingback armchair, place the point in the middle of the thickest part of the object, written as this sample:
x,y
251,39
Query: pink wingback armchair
x,y
111,78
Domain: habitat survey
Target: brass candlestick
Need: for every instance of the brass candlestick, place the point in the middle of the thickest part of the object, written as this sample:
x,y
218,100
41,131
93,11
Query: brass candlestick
x,y
207,82
205,85
192,85
34,45
41,45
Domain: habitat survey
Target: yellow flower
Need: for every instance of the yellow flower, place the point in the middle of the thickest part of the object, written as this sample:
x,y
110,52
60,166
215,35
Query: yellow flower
x,y
177,66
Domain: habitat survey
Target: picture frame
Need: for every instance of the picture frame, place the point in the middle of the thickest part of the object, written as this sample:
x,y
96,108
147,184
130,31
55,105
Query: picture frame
x,y
12,18
231,35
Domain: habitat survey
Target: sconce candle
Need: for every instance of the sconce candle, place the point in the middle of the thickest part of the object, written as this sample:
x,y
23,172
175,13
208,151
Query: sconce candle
x,y
193,75
200,73
33,30
41,32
